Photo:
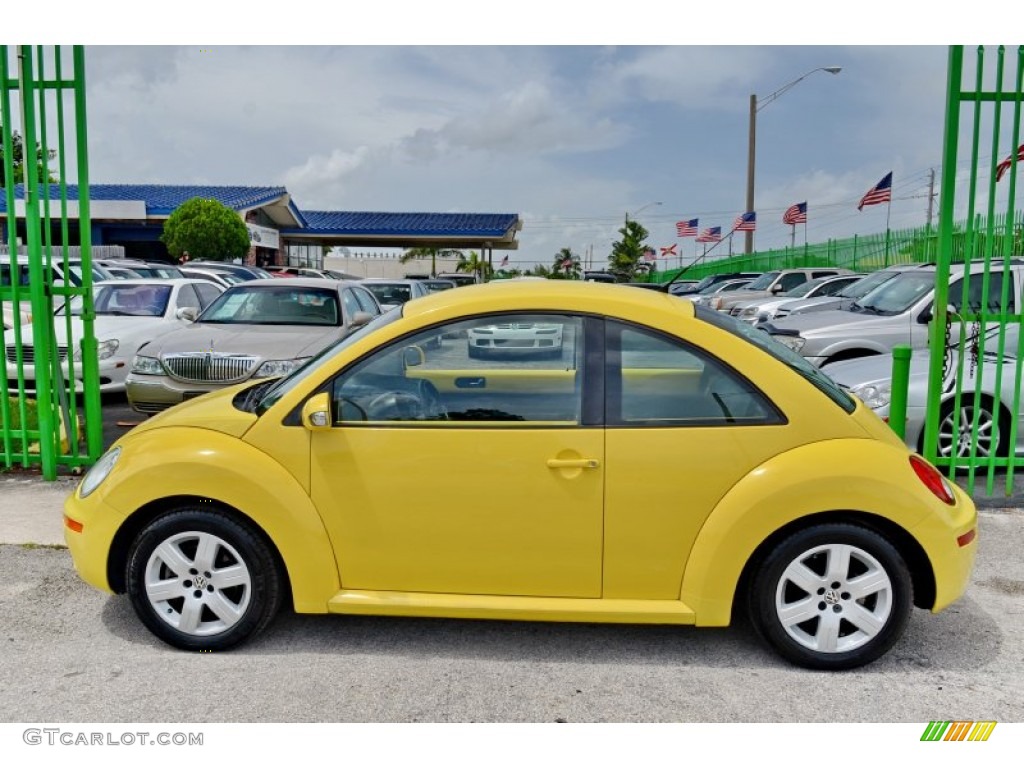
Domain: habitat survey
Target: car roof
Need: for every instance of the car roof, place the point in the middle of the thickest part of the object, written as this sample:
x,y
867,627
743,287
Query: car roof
x,y
553,295
295,282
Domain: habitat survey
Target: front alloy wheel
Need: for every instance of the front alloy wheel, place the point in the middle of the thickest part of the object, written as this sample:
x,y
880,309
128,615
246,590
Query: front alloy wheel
x,y
833,596
201,580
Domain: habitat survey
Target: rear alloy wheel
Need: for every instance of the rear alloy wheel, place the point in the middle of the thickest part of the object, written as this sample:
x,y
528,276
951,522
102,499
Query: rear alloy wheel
x,y
833,596
202,581
956,430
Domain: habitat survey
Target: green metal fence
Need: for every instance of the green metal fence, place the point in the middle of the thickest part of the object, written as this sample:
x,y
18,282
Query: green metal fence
x,y
975,359
866,253
49,393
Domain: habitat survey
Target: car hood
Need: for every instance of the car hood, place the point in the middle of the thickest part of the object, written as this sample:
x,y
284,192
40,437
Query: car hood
x,y
211,411
269,342
831,322
874,368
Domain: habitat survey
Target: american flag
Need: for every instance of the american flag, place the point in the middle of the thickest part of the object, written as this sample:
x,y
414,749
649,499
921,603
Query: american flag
x,y
746,222
650,254
795,214
504,261
710,235
1004,166
566,262
880,193
668,250
687,228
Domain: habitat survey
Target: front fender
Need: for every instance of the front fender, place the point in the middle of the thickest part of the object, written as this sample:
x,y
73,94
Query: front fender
x,y
852,474
184,461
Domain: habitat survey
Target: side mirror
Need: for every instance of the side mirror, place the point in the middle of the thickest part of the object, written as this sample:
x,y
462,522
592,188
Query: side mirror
x,y
188,314
360,319
316,413
777,288
413,356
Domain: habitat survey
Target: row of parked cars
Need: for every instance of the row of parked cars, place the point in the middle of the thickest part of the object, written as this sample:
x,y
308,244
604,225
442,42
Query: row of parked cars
x,y
848,324
167,333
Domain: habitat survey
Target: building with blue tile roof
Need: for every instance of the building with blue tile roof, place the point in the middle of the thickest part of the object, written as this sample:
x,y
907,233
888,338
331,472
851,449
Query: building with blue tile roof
x,y
132,216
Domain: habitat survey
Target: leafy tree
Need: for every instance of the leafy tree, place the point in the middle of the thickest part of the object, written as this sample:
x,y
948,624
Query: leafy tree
x,y
626,259
474,263
205,229
566,266
422,252
18,161
540,271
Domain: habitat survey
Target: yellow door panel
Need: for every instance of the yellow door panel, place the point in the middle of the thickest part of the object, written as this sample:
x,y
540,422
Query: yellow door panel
x,y
471,511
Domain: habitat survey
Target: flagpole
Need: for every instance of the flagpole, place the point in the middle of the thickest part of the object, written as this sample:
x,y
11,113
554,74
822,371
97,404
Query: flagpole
x,y
888,211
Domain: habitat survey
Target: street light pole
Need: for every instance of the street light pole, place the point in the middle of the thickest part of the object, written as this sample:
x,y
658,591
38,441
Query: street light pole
x,y
640,209
756,105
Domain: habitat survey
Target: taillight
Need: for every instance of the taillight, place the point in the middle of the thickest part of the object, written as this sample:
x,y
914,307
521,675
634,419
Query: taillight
x,y
933,480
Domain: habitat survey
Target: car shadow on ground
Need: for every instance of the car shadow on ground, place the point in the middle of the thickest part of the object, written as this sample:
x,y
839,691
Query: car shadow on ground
x,y
931,641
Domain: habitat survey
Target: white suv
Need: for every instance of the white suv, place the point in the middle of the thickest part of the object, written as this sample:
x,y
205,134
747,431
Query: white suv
x,y
773,283
897,312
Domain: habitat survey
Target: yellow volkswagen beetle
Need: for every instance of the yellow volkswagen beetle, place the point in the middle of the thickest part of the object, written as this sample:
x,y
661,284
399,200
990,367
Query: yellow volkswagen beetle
x,y
670,466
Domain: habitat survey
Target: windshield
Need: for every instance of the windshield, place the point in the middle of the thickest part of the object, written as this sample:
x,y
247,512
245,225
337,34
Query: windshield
x,y
763,283
267,397
780,352
125,300
899,294
866,285
257,303
389,293
804,288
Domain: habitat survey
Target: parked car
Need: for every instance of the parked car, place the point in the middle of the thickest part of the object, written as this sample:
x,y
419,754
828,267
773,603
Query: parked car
x,y
244,271
129,314
392,293
897,312
774,283
459,278
763,309
17,272
289,271
437,284
221,277
683,287
706,282
143,268
870,379
516,338
705,296
801,507
255,329
845,299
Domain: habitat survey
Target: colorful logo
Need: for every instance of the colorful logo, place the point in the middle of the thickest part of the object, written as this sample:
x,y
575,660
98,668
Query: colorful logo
x,y
959,730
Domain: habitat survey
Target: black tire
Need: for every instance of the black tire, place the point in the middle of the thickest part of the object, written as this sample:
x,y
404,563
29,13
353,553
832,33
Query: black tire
x,y
229,591
809,628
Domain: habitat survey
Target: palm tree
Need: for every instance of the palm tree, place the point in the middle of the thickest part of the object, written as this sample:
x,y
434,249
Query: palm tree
x,y
566,266
475,264
422,252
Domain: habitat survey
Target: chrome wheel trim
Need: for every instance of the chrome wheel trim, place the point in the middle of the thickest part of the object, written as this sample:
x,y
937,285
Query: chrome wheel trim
x,y
198,583
834,598
963,420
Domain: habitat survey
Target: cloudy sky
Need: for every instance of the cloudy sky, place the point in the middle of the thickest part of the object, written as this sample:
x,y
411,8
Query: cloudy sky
x,y
572,138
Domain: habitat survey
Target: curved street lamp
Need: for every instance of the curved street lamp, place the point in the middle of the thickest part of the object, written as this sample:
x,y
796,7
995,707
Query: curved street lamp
x,y
640,209
756,105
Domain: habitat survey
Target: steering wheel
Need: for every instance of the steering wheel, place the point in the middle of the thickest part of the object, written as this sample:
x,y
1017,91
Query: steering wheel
x,y
348,402
432,406
396,406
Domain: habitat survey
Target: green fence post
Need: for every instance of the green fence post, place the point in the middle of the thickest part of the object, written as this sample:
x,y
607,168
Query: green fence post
x,y
900,385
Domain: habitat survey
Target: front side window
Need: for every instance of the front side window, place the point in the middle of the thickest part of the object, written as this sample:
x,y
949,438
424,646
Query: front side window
x,y
764,282
654,380
497,370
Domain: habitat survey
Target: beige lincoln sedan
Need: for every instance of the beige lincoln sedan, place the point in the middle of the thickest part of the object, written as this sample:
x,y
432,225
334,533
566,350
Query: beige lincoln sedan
x,y
257,329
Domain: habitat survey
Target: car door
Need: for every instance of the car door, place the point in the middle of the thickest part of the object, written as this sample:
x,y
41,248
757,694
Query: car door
x,y
449,474
683,428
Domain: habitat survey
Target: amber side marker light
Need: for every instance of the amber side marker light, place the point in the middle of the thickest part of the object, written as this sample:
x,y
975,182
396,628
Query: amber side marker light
x,y
964,539
74,525
933,480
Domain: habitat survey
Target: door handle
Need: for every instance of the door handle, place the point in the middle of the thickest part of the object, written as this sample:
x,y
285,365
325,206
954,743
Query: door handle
x,y
573,463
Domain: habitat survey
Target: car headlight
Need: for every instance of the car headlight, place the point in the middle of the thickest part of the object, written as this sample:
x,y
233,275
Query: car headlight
x,y
104,350
149,366
279,367
715,303
748,312
874,396
99,472
796,343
